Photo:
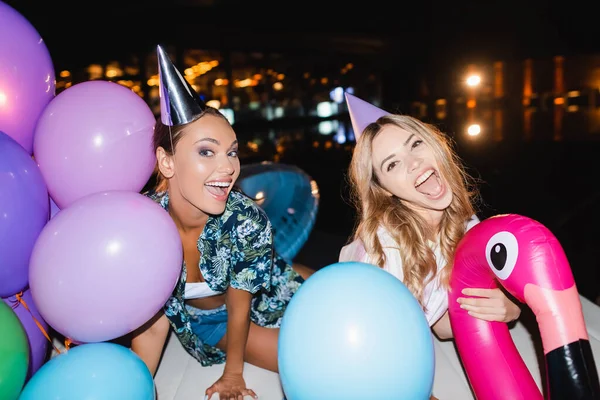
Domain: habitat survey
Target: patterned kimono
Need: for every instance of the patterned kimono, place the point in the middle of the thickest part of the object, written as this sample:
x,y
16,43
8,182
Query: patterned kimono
x,y
236,249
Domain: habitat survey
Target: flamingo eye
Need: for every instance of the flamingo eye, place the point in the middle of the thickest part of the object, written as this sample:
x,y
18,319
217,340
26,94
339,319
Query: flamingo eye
x,y
501,253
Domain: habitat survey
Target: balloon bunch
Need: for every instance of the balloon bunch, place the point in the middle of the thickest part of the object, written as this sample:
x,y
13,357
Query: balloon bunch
x,y
81,250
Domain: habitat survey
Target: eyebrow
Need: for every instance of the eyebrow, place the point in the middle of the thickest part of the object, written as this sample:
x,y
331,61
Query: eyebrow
x,y
394,154
215,141
208,139
385,159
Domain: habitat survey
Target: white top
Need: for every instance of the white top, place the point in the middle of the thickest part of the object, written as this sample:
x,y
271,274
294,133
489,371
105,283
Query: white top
x,y
197,290
435,298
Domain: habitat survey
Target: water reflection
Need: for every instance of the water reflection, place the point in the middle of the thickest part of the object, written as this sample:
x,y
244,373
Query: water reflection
x,y
573,117
559,114
556,121
544,120
527,115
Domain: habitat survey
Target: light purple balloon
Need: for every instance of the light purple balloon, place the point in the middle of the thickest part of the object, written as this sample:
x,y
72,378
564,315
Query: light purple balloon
x,y
95,136
105,265
38,343
23,213
27,79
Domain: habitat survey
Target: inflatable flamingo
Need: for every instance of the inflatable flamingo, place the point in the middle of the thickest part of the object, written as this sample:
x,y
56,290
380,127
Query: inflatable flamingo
x,y
529,262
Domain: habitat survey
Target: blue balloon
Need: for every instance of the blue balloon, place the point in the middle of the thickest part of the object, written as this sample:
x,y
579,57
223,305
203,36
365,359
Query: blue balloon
x,y
354,331
94,371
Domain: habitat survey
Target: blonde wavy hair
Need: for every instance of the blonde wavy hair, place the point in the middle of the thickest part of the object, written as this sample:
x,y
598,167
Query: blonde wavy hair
x,y
376,208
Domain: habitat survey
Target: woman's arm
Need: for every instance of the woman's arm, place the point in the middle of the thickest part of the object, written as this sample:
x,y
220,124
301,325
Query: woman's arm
x,y
442,328
489,305
149,340
238,325
231,384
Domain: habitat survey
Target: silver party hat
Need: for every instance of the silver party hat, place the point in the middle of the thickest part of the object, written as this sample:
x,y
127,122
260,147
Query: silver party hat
x,y
179,102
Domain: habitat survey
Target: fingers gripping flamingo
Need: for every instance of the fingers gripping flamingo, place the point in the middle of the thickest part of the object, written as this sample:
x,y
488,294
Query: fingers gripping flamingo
x,y
529,262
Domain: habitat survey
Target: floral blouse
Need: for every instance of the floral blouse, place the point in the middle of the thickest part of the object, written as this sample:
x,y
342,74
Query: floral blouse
x,y
236,249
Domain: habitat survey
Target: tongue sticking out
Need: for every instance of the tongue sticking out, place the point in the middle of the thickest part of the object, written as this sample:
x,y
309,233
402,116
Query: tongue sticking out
x,y
217,191
431,187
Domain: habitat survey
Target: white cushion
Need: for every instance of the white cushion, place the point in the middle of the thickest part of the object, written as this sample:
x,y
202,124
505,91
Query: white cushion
x,y
180,377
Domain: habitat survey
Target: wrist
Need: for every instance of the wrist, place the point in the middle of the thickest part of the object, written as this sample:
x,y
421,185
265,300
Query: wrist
x,y
516,313
233,368
234,372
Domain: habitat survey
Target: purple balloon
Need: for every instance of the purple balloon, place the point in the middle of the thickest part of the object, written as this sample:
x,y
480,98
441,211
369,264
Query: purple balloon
x,y
27,80
53,208
105,265
93,137
23,213
38,343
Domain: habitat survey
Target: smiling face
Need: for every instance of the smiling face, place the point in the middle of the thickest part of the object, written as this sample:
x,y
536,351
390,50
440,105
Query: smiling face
x,y
205,164
406,167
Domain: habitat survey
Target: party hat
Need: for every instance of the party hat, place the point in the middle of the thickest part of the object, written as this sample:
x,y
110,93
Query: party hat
x,y
362,113
179,102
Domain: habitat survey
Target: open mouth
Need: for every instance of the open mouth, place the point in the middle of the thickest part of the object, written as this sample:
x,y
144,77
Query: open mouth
x,y
219,189
429,184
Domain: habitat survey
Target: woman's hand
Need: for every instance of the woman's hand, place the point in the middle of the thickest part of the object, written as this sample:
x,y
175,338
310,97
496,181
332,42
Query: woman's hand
x,y
230,387
489,305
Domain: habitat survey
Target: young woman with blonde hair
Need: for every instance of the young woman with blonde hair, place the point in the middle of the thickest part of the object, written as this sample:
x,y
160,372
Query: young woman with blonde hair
x,y
414,202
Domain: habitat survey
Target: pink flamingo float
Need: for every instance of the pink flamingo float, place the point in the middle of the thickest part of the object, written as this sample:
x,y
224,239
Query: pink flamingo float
x,y
525,258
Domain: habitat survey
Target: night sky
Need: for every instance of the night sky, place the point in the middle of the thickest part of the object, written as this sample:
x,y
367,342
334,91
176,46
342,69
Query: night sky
x,y
430,30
